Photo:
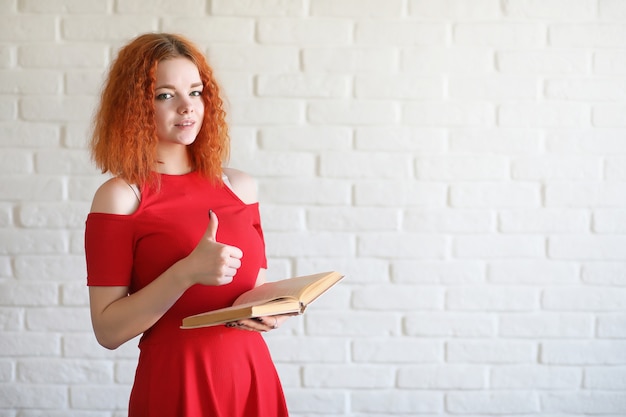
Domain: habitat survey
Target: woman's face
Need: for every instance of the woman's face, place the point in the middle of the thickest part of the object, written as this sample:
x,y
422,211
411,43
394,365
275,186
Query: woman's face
x,y
179,109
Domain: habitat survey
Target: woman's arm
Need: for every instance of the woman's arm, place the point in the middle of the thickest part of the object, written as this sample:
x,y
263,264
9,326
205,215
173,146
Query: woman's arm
x,y
118,317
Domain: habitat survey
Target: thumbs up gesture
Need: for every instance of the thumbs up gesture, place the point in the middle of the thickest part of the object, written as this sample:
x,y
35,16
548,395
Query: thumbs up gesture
x,y
211,262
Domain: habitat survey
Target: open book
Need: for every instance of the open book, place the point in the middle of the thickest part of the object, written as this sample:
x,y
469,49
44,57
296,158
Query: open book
x,y
288,296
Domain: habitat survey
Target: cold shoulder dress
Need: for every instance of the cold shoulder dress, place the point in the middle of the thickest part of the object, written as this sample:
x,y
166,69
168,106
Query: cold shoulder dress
x,y
214,371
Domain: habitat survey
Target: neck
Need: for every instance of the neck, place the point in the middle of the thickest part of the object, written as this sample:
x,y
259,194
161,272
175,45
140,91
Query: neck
x,y
173,160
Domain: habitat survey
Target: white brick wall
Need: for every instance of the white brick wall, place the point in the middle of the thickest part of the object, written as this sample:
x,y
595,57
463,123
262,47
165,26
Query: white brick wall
x,y
462,161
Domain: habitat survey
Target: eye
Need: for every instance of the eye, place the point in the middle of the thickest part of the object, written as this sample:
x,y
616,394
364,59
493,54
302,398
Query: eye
x,y
196,93
164,96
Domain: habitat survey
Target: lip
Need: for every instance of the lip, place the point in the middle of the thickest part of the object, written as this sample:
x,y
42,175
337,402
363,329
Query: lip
x,y
186,123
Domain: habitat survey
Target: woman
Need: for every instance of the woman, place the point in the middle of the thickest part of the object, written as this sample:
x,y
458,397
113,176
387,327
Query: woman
x,y
174,234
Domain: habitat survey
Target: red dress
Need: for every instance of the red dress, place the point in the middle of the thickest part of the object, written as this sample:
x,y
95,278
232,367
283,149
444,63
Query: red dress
x,y
214,371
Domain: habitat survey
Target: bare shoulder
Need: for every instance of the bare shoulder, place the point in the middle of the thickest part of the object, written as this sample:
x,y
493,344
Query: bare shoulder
x,y
115,196
244,185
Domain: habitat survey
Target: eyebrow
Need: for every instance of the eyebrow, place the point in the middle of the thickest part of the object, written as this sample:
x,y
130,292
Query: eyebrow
x,y
171,87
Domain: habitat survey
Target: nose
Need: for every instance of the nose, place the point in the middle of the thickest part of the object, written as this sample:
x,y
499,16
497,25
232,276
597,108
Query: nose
x,y
185,106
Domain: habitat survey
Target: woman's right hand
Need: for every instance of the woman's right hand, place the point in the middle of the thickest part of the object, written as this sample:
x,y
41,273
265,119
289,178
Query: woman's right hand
x,y
211,262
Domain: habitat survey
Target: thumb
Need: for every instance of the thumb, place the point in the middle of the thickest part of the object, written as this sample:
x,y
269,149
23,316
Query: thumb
x,y
211,230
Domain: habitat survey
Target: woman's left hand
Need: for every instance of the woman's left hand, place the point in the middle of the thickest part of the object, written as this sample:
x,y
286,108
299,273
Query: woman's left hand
x,y
260,324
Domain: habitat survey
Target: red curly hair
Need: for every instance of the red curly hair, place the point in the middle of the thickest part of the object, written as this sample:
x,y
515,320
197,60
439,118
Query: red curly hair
x,y
124,141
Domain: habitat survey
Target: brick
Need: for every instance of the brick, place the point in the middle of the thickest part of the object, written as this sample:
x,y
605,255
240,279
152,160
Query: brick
x,y
398,298
19,396
106,28
11,319
448,220
519,377
400,33
486,298
53,215
608,115
255,59
63,6
444,271
266,112
302,191
544,221
377,138
32,134
396,401
258,8
572,35
30,82
385,351
64,371
403,246
449,114
394,86
16,162
83,82
282,219
99,397
584,194
56,109
604,273
348,60
553,61
557,168
450,324
614,169
302,350
352,113
443,377
455,9
462,168
581,353
357,8
495,195
552,115
348,376
352,218
309,138
498,246
6,371
205,30
57,162
32,241
609,221
28,294
323,401
612,326
75,295
8,108
125,371
399,193
276,164
609,62
361,270
493,88
546,325
27,28
235,84
585,89
495,141
180,7
452,60
370,324
584,402
308,244
23,344
511,34
584,299
533,272
58,319
84,346
387,165
605,378
500,403
314,31
587,247
301,85
550,9
7,56
491,352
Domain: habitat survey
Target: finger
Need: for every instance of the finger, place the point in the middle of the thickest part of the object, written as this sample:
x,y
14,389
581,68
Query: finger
x,y
211,230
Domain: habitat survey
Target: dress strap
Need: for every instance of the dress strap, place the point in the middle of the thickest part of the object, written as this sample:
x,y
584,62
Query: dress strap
x,y
135,191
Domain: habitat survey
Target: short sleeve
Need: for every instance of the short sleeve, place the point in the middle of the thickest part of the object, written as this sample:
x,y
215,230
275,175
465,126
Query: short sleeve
x,y
109,243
